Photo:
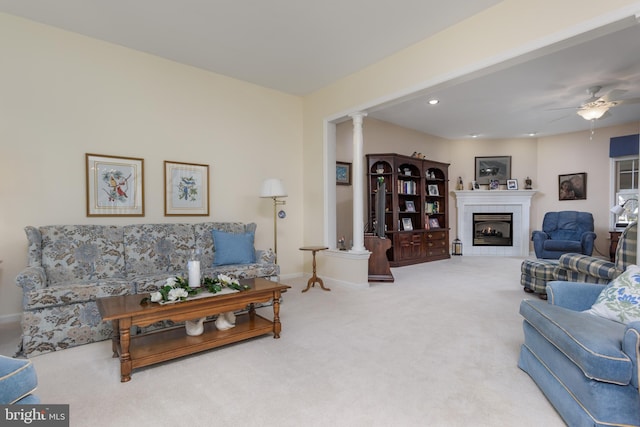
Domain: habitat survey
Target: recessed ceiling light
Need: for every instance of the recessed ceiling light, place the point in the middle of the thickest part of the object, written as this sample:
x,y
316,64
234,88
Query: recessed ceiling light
x,y
532,133
433,101
473,135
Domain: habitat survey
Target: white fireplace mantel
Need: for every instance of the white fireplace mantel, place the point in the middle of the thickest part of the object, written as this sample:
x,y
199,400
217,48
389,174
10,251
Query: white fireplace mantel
x,y
517,202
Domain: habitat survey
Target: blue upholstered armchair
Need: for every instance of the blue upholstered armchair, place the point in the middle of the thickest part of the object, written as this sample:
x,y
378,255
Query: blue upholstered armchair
x,y
563,232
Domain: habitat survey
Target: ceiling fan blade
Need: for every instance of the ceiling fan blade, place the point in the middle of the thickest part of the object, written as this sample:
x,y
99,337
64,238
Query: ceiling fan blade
x,y
563,108
561,118
627,101
614,95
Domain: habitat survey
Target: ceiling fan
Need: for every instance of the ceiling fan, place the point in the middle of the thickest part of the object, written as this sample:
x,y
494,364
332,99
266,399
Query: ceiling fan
x,y
597,107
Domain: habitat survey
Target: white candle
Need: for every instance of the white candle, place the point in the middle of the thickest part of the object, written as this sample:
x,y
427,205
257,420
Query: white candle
x,y
194,274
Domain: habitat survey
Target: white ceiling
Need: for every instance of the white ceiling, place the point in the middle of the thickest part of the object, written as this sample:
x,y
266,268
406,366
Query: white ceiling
x,y
298,46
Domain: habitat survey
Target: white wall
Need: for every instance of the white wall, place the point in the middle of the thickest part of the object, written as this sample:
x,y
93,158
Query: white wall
x,y
64,95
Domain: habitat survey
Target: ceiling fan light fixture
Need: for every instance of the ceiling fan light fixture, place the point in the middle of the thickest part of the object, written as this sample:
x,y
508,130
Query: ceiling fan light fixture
x,y
593,113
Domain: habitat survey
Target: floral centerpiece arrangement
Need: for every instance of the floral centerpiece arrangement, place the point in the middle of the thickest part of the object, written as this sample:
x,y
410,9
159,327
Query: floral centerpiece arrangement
x,y
177,288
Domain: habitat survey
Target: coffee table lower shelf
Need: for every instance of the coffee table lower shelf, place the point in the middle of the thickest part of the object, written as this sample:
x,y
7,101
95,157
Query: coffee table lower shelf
x,y
167,344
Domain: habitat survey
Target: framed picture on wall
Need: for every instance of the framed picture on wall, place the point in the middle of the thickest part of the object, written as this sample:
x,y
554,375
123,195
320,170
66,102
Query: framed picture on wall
x,y
572,186
343,173
114,185
491,168
186,189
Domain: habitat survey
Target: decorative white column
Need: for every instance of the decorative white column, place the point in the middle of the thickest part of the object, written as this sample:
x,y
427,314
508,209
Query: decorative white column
x,y
358,183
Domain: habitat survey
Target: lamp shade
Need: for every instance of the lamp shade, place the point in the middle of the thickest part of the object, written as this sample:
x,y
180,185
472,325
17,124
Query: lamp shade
x,y
272,187
617,209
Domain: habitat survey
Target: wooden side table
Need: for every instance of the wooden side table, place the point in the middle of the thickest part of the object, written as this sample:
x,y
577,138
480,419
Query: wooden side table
x,y
314,279
615,236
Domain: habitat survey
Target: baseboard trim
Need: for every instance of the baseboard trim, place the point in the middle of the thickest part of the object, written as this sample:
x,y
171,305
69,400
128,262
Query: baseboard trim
x,y
10,318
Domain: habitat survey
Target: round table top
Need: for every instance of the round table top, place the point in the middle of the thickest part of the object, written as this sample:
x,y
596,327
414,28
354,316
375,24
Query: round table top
x,y
314,248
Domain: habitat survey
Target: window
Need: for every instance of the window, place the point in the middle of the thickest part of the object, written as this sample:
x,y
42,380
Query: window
x,y
626,190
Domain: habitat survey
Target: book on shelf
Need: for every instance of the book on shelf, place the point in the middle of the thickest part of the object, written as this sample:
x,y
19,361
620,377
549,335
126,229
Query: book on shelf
x,y
407,187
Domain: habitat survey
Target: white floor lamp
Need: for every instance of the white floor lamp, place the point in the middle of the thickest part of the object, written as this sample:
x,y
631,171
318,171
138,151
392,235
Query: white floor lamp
x,y
274,189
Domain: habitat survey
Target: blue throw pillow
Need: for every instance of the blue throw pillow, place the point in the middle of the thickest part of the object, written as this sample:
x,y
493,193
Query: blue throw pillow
x,y
233,248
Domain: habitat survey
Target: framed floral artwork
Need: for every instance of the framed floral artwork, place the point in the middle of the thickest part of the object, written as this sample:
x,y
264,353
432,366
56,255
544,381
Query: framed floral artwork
x,y
186,189
114,185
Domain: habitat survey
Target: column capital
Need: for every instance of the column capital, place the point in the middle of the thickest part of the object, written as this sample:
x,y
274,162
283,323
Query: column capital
x,y
358,116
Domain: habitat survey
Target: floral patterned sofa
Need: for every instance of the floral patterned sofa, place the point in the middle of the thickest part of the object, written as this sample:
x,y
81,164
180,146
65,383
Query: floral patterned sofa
x,y
69,266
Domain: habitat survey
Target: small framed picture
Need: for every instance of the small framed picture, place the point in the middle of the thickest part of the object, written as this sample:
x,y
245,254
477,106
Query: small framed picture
x,y
186,189
572,186
410,206
343,173
114,185
434,223
433,190
407,224
512,184
494,184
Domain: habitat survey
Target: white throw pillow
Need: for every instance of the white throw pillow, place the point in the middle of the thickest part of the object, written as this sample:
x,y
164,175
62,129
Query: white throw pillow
x,y
620,299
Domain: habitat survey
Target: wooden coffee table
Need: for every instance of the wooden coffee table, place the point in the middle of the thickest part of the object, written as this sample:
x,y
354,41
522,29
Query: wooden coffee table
x,y
165,344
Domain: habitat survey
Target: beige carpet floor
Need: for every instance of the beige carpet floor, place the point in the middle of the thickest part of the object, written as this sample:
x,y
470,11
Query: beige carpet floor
x,y
438,347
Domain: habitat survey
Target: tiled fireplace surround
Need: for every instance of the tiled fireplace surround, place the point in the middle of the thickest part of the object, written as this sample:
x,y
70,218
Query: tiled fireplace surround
x,y
517,202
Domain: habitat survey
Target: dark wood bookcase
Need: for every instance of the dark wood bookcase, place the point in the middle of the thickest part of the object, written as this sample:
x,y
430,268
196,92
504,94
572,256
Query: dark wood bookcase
x,y
416,206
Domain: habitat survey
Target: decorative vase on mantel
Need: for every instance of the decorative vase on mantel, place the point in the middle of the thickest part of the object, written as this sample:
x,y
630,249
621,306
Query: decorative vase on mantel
x,y
194,327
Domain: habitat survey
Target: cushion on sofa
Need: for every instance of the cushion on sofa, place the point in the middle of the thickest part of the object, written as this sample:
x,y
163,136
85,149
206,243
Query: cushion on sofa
x,y
233,248
620,299
76,292
155,248
82,252
592,343
17,379
204,237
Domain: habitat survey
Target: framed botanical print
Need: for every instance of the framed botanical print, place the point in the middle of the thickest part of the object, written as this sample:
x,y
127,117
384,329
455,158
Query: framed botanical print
x,y
114,185
186,189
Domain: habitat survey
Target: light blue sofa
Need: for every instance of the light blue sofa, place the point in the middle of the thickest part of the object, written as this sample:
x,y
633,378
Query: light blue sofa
x,y
586,365
70,266
18,381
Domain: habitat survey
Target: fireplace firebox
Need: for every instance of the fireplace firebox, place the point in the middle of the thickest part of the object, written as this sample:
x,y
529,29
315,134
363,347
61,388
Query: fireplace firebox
x,y
493,229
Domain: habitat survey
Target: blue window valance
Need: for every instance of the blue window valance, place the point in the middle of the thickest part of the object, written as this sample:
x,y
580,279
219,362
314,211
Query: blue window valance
x,y
624,145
